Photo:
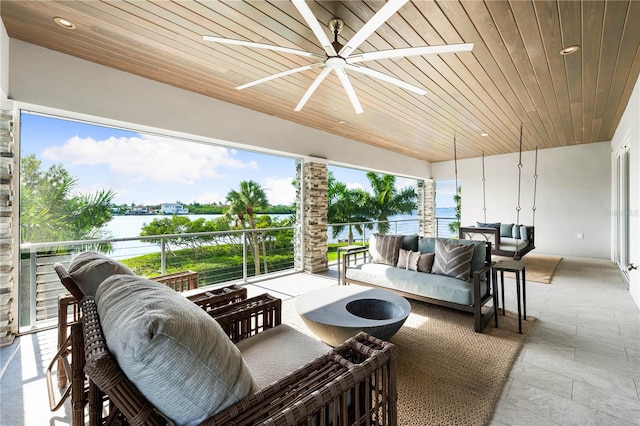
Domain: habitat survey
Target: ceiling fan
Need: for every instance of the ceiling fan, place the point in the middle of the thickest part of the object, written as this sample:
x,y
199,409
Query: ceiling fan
x,y
340,58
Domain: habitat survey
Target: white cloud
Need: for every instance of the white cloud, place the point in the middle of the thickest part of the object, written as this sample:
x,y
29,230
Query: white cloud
x,y
160,159
279,190
402,183
354,185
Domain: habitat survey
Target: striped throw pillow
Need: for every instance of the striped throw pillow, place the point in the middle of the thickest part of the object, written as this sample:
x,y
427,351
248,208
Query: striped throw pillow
x,y
453,260
385,249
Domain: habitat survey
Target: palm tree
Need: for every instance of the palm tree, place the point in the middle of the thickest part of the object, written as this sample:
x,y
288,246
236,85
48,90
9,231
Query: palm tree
x,y
387,201
242,204
344,205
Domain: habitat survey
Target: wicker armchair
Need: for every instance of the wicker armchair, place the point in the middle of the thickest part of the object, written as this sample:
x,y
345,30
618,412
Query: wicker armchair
x,y
69,358
353,384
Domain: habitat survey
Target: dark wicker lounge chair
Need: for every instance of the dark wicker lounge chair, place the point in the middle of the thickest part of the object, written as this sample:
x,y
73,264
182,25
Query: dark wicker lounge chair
x,y
71,379
353,384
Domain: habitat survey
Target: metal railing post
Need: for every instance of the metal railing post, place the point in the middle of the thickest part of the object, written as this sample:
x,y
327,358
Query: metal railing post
x,y
163,257
33,265
244,255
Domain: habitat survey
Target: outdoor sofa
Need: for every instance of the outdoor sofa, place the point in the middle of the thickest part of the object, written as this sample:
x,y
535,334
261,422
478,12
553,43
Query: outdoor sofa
x,y
507,239
446,272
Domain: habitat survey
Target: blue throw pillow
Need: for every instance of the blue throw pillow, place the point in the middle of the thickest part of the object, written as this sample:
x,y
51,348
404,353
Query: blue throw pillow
x,y
524,233
515,233
506,230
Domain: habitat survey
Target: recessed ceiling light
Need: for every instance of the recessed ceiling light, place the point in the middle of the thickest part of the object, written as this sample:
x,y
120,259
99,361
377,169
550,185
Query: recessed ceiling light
x,y
569,50
484,135
64,23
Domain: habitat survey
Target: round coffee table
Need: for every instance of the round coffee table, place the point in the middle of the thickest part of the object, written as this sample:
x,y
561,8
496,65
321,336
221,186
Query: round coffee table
x,y
335,314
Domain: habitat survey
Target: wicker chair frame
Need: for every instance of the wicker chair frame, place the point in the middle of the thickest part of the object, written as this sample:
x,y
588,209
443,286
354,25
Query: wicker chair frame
x,y
354,384
70,360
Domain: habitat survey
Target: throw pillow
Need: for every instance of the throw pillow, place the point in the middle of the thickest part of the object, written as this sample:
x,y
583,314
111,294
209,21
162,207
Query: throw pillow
x,y
495,225
410,242
427,245
174,352
506,230
89,269
425,262
524,233
403,258
412,262
453,260
385,249
515,232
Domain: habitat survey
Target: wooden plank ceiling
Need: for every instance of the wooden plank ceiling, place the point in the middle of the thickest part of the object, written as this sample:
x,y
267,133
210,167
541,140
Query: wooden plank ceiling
x,y
514,74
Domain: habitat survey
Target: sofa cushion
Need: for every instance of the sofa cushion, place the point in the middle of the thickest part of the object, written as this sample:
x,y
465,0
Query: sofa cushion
x,y
173,351
506,229
524,233
439,287
453,260
425,262
89,269
385,249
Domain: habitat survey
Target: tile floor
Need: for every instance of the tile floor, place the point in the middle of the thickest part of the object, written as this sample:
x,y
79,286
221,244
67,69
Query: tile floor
x,y
580,363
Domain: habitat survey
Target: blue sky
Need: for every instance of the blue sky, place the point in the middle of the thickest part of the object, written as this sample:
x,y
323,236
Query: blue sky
x,y
150,169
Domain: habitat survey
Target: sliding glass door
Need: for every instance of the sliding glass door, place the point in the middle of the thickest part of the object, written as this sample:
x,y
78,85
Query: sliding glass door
x,y
622,240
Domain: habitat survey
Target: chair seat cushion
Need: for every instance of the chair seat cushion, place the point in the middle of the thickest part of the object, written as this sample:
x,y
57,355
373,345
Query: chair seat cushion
x,y
260,352
175,353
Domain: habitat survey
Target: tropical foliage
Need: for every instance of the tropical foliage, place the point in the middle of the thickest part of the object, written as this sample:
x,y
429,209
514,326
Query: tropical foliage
x,y
52,211
387,201
455,225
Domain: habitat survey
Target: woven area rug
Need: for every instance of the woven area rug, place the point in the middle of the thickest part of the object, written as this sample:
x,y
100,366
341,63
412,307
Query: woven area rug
x,y
539,268
447,373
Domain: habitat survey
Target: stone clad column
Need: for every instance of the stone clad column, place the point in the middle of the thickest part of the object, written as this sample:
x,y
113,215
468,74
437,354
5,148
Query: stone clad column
x,y
425,189
8,227
311,217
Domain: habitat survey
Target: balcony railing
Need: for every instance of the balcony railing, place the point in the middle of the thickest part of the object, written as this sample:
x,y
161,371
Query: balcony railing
x,y
218,257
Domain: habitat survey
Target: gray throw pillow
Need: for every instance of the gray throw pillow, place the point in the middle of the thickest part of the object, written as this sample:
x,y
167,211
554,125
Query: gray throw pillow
x,y
385,249
524,233
495,225
174,352
453,260
425,262
89,269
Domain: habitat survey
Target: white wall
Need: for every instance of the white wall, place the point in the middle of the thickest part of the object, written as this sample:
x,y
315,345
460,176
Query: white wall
x,y
46,78
628,132
4,66
572,196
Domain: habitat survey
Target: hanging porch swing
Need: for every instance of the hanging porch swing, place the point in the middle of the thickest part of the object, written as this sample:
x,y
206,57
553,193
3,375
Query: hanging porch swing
x,y
507,239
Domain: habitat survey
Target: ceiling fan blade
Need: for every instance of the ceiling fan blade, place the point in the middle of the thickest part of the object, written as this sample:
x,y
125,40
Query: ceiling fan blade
x,y
411,51
385,77
259,46
280,74
315,26
391,7
346,83
312,89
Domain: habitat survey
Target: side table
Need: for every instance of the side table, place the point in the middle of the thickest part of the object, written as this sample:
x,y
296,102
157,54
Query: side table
x,y
346,250
518,268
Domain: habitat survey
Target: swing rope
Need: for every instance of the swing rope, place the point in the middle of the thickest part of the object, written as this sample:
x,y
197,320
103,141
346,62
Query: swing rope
x,y
455,161
535,185
519,178
484,192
